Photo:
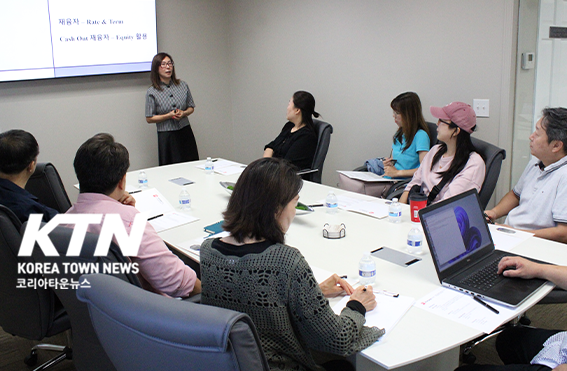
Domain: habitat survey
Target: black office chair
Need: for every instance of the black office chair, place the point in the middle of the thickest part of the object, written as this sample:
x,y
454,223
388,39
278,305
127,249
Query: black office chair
x,y
324,131
493,157
47,186
31,313
145,331
88,353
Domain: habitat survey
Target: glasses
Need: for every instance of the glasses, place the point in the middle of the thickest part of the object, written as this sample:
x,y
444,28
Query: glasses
x,y
445,122
167,64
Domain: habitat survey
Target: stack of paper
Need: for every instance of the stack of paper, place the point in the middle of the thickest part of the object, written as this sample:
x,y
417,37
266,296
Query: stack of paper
x,y
161,215
366,176
226,167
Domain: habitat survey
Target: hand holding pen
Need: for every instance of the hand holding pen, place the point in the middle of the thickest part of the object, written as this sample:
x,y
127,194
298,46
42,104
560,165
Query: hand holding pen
x,y
365,295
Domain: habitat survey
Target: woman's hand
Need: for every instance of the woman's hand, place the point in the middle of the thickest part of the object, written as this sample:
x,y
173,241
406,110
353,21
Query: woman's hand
x,y
390,171
387,161
365,296
335,286
177,114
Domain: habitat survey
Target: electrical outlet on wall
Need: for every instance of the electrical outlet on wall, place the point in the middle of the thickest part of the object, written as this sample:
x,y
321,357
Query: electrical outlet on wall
x,y
480,107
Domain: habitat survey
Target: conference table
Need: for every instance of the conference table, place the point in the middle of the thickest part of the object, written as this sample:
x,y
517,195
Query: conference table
x,y
421,340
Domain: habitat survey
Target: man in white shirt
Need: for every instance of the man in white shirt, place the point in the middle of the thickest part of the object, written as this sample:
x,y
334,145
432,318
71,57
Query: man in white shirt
x,y
528,348
538,203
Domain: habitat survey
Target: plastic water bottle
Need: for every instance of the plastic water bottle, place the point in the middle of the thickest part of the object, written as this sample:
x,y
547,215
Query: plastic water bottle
x,y
331,203
395,211
184,199
366,270
415,241
209,166
142,180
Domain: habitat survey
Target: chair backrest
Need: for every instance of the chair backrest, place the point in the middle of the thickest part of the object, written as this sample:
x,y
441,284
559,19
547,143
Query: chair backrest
x,y
324,131
432,133
27,312
88,353
167,334
47,186
493,157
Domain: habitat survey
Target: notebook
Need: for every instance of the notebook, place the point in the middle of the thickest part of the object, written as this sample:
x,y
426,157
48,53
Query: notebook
x,y
463,252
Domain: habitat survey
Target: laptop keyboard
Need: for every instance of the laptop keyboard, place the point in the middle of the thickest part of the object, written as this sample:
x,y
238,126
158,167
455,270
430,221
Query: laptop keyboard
x,y
485,278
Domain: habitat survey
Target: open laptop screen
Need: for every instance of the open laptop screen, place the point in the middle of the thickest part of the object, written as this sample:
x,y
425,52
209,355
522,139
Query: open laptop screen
x,y
456,229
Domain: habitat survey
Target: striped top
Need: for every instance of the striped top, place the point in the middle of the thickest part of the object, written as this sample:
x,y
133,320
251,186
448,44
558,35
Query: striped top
x,y
171,97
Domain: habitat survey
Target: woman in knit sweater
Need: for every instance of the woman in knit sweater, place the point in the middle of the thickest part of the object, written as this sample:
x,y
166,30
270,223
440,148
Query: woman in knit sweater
x,y
254,272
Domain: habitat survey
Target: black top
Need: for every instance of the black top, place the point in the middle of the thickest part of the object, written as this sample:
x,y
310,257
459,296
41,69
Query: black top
x,y
298,147
23,203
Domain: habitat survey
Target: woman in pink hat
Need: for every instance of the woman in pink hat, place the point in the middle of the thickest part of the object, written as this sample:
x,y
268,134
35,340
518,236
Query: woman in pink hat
x,y
453,166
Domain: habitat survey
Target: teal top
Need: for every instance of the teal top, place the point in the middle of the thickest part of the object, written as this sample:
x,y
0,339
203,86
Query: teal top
x,y
409,159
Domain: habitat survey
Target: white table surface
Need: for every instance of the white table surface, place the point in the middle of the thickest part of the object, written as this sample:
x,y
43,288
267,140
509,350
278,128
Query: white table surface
x,y
420,334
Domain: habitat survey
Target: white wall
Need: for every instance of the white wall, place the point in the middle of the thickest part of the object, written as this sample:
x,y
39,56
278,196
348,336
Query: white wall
x,y
243,59
355,57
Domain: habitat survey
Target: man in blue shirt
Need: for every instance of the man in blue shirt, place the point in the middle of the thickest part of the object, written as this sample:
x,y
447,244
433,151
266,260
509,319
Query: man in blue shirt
x,y
18,158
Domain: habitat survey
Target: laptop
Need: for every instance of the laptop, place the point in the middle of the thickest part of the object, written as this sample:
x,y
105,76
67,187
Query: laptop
x,y
464,255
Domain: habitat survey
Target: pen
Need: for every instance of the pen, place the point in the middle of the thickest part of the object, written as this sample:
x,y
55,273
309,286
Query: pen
x,y
155,217
505,230
214,160
476,298
316,205
344,277
364,289
139,190
387,293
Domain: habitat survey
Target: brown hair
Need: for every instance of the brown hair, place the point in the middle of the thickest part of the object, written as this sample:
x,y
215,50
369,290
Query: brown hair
x,y
262,191
409,106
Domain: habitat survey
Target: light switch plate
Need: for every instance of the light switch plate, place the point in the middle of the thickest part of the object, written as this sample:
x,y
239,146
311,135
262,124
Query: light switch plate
x,y
481,107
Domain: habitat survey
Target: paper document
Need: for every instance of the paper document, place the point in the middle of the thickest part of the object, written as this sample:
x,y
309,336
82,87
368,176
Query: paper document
x,y
376,209
506,239
226,167
462,308
344,202
386,315
366,176
161,215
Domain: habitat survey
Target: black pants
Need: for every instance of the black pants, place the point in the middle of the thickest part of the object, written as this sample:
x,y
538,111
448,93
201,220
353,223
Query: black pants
x,y
177,146
517,346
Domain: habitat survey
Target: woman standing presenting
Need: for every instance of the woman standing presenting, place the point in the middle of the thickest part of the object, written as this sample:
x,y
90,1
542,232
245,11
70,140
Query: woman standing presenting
x,y
168,103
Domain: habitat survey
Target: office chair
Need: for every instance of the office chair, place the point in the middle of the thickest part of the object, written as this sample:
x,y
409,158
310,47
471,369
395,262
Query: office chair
x,y
31,313
88,353
151,332
324,131
47,186
493,157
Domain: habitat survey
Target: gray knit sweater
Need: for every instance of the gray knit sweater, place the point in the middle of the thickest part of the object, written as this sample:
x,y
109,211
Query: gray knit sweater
x,y
277,289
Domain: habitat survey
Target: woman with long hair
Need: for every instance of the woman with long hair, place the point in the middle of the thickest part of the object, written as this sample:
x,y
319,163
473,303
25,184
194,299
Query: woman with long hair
x,y
253,271
453,166
297,141
168,104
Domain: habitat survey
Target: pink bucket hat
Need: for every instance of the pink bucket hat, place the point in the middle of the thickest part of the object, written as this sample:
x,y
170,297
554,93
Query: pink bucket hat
x,y
459,113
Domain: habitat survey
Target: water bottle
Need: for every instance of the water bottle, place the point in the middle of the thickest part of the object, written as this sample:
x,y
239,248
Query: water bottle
x,y
366,270
331,203
142,180
184,199
209,166
415,241
395,211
